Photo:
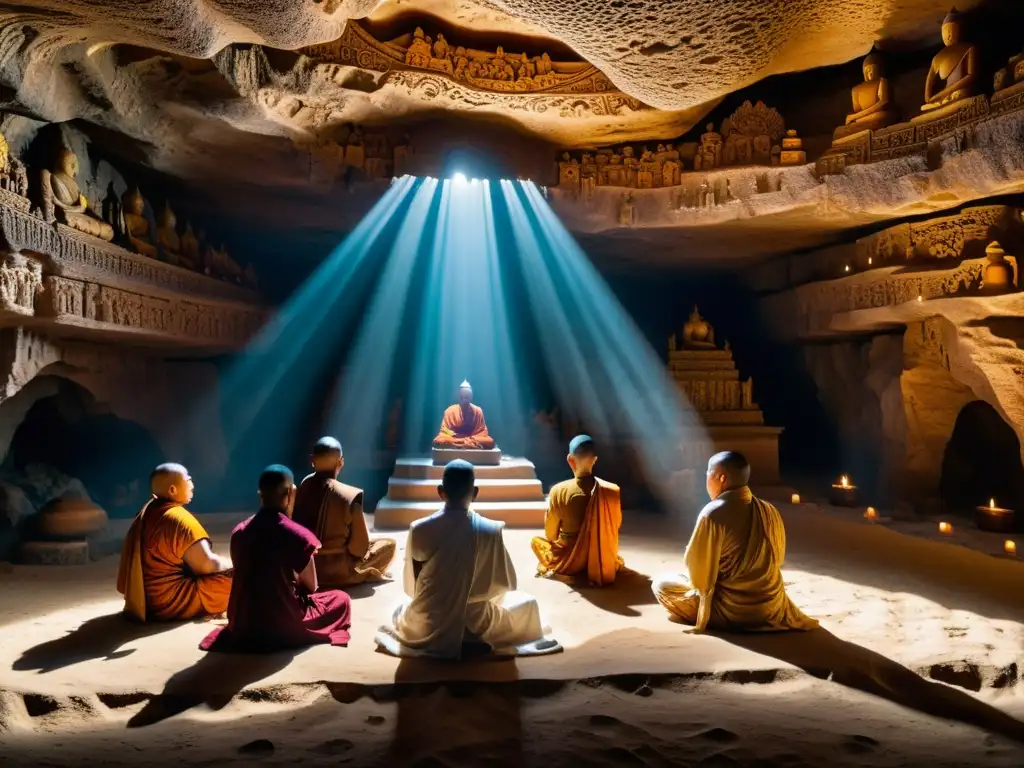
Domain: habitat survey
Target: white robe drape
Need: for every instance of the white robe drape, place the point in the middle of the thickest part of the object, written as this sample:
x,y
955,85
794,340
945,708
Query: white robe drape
x,y
465,589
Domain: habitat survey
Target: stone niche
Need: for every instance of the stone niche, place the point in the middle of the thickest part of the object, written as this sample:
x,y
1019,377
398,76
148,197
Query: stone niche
x,y
82,421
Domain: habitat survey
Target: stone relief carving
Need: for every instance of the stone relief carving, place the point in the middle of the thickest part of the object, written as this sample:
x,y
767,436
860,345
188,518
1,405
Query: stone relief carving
x,y
21,279
481,71
748,137
69,300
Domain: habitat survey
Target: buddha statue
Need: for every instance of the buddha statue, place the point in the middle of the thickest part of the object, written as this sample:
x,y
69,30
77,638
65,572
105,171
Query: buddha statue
x,y
998,274
63,199
136,225
698,333
709,153
871,101
191,253
954,69
167,235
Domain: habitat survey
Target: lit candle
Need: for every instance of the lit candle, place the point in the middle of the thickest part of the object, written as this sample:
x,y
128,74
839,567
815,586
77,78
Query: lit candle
x,y
844,482
844,493
871,514
869,259
993,518
945,528
1010,547
992,503
795,498
846,268
920,297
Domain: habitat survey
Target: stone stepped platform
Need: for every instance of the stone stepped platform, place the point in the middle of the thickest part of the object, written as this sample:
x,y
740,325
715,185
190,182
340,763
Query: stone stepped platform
x,y
509,491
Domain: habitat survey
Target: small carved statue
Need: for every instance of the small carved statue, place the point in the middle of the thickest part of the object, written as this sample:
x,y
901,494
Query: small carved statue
x,y
871,100
113,213
709,153
13,176
627,210
191,254
998,275
954,69
1012,73
167,235
63,200
136,225
697,332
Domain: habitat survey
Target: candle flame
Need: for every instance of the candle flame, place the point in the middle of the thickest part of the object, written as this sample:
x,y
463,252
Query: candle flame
x,y
1010,547
945,528
844,481
991,503
870,513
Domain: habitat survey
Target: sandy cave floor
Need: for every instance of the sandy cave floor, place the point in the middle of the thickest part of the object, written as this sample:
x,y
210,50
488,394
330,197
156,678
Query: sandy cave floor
x,y
79,685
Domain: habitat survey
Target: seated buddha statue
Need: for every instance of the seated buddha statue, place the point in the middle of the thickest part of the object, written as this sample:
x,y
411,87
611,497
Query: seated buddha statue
x,y
13,177
63,199
698,333
871,101
136,225
167,235
191,253
954,69
463,425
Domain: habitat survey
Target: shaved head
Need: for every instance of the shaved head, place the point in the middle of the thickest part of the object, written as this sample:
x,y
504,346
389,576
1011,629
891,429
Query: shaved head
x,y
277,484
582,455
458,484
727,471
171,481
327,456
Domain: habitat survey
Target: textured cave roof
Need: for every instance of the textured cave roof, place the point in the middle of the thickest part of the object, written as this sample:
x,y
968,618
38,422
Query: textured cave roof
x,y
177,76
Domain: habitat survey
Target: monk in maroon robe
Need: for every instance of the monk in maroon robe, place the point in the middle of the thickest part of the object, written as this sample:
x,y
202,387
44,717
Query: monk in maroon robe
x,y
274,604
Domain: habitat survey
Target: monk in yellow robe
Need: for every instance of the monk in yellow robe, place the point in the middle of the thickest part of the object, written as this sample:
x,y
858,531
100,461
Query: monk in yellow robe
x,y
463,425
581,525
168,570
734,560
333,512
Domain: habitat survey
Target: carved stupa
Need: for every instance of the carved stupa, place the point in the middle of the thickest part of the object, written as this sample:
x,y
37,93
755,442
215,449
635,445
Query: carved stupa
x,y
708,377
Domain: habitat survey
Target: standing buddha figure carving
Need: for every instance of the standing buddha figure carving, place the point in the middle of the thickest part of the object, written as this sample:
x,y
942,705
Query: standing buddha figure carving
x,y
167,235
136,225
697,332
871,100
13,177
954,69
709,154
63,199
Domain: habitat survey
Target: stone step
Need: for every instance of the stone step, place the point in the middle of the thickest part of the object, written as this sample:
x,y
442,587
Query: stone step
x,y
424,469
406,489
516,514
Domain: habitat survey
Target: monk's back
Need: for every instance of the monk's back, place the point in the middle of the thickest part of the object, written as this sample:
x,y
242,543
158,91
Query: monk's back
x,y
318,493
735,516
572,496
168,530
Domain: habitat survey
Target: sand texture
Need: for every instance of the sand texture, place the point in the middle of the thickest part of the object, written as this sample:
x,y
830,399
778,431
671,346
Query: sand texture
x,y
916,664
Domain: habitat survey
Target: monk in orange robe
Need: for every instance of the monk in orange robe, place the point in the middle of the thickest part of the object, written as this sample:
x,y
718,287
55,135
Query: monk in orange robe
x,y
463,424
333,512
168,570
581,525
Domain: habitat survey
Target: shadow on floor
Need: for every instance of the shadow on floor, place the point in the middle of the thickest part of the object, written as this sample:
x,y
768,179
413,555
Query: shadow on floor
x,y
213,680
822,654
98,638
630,589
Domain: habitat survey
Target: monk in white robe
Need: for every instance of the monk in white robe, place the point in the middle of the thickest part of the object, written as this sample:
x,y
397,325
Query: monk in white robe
x,y
461,584
734,560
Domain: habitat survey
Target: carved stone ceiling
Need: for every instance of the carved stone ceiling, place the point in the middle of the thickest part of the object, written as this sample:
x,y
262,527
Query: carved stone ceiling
x,y
181,78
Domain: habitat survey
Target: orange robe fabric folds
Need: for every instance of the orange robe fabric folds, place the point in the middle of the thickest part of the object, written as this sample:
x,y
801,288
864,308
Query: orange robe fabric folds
x,y
464,428
153,577
593,550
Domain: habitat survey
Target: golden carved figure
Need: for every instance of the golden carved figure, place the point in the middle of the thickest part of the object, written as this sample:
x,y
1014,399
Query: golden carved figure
x,y
167,235
697,332
954,69
136,224
13,176
871,100
998,275
217,263
1012,73
709,153
63,199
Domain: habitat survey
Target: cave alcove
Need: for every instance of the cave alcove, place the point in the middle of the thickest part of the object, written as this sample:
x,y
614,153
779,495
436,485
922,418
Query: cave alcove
x,y
72,432
982,462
